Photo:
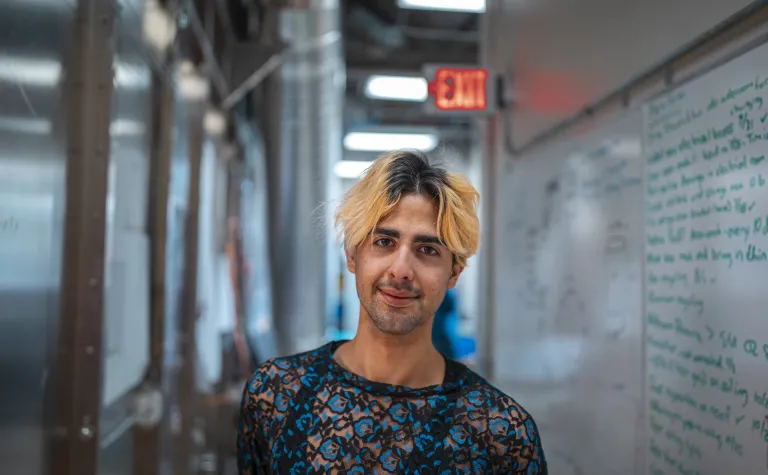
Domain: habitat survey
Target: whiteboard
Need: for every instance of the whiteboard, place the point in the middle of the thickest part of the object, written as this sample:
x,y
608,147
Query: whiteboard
x,y
569,329
706,272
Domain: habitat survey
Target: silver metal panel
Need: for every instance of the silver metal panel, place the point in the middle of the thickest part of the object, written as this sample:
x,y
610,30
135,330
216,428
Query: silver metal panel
x,y
126,287
208,337
34,39
304,105
563,55
178,205
117,457
250,177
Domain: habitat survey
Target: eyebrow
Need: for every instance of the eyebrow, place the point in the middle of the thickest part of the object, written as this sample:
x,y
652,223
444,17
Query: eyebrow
x,y
421,238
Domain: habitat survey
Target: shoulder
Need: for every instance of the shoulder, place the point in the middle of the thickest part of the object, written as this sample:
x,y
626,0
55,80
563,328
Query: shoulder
x,y
500,408
275,380
508,428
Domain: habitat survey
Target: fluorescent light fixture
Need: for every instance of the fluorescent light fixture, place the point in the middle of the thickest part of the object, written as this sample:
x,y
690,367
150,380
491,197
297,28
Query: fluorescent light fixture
x,y
23,125
475,6
56,4
398,88
385,141
350,169
29,72
132,76
126,128
47,72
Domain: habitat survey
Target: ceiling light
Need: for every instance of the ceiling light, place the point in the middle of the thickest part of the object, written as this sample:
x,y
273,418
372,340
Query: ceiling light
x,y
46,72
125,127
24,125
350,168
398,88
132,76
215,123
186,67
28,71
57,4
382,142
192,85
159,26
476,6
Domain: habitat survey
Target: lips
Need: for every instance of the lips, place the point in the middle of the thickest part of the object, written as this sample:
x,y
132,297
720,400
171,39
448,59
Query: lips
x,y
396,298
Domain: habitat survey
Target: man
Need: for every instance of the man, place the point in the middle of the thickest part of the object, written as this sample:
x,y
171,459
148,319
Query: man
x,y
387,401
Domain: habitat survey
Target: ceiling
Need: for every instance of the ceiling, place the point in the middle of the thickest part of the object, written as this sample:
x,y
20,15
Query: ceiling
x,y
564,55
380,38
380,35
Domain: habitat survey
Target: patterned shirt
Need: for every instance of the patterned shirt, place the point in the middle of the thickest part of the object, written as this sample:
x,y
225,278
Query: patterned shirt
x,y
307,414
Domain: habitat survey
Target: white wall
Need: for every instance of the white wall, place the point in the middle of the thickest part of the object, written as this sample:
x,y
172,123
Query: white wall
x,y
565,54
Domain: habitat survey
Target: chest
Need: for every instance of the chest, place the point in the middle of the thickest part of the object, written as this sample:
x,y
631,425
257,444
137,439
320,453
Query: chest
x,y
344,434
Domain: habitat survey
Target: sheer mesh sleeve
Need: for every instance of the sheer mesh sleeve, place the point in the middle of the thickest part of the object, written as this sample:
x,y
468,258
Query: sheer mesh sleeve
x,y
252,458
524,446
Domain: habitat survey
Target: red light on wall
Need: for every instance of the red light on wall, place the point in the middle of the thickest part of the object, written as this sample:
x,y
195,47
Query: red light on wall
x,y
460,89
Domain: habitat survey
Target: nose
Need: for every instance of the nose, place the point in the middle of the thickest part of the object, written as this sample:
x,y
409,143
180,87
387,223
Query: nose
x,y
401,268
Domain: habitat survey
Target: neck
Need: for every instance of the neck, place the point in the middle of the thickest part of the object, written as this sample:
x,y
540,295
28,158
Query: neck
x,y
404,360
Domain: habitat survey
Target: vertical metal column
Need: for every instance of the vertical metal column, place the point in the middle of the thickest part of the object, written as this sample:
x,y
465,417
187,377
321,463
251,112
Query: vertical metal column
x,y
74,437
188,400
304,127
146,434
490,132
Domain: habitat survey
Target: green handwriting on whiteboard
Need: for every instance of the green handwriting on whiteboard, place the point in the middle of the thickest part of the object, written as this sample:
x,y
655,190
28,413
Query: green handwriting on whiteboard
x,y
760,427
689,401
671,460
713,361
737,206
689,425
749,254
668,279
659,344
705,220
676,326
686,302
728,385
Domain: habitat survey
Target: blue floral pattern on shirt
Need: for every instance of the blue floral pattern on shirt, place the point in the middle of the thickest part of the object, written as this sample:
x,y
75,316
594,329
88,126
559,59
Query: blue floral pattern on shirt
x,y
305,414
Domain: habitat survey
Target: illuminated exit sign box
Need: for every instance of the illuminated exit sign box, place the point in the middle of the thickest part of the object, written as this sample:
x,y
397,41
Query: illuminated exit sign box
x,y
460,90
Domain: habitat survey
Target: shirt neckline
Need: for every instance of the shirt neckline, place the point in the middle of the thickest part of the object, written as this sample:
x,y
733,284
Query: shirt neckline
x,y
452,381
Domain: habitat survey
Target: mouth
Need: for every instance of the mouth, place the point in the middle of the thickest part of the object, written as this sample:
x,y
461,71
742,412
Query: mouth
x,y
397,299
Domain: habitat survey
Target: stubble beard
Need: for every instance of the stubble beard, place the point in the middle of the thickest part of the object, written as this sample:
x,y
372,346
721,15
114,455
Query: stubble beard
x,y
397,322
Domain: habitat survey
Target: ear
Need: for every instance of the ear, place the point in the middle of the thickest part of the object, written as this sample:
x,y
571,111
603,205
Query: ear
x,y
350,261
456,271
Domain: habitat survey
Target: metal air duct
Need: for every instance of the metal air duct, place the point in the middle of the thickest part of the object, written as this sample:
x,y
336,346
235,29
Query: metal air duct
x,y
303,124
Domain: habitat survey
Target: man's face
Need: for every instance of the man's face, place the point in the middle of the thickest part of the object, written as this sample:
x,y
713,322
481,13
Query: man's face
x,y
402,271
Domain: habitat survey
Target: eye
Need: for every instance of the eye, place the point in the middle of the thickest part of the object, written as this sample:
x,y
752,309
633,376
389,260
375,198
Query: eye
x,y
429,250
382,242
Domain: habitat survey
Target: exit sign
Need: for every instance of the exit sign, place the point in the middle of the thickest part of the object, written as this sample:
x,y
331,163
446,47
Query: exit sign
x,y
460,90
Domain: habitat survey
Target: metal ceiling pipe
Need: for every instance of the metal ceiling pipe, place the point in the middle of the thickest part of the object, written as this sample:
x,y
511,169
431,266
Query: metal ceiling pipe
x,y
303,131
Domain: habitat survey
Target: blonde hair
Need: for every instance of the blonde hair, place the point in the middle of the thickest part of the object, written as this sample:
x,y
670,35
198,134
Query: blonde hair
x,y
398,173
